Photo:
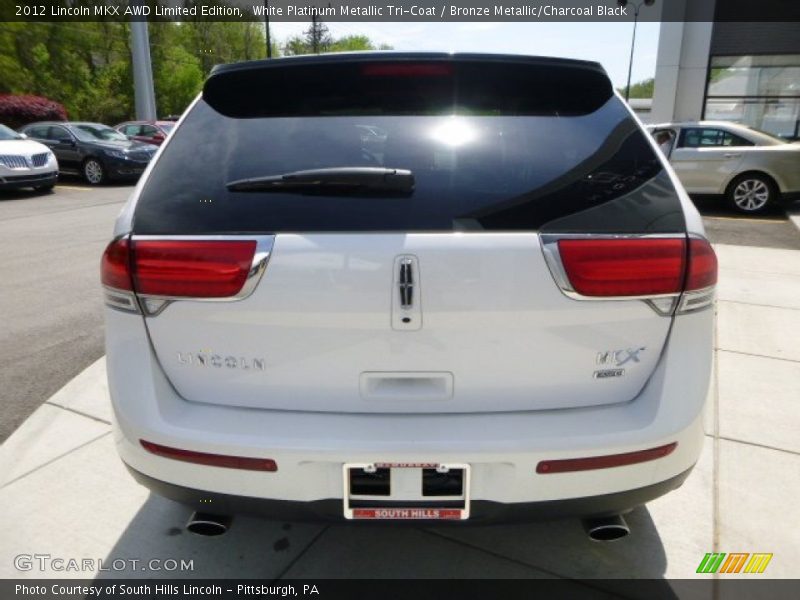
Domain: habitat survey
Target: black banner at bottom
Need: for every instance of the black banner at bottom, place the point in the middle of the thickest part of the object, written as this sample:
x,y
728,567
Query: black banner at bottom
x,y
391,589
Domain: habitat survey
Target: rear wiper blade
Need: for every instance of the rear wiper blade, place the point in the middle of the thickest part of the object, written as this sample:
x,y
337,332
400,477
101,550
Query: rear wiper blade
x,y
345,180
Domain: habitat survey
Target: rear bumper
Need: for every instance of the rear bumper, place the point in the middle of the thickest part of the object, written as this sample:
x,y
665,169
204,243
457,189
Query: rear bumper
x,y
481,511
503,449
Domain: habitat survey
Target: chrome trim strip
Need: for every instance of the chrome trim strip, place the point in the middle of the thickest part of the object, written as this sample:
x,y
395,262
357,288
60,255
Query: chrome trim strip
x,y
406,283
696,300
122,300
153,305
664,306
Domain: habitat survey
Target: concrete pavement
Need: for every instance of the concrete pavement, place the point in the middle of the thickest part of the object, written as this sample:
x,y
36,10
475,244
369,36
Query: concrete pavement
x,y
65,492
51,327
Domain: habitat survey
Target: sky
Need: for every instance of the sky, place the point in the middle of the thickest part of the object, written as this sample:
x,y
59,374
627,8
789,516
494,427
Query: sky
x,y
607,43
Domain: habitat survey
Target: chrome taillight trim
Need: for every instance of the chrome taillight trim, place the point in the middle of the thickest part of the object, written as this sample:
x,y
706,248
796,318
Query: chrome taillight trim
x,y
696,300
153,305
122,300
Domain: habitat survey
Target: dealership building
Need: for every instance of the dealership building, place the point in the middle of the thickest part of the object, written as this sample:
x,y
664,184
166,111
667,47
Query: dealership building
x,y
711,67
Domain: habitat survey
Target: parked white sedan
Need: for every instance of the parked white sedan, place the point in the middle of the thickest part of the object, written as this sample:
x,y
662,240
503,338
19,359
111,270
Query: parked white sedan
x,y
750,168
25,163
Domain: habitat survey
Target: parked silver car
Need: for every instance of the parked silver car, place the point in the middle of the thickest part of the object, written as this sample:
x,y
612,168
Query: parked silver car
x,y
752,169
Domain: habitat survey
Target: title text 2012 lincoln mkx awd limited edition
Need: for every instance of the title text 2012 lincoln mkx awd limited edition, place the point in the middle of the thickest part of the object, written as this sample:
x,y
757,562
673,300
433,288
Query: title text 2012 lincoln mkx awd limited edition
x,y
498,307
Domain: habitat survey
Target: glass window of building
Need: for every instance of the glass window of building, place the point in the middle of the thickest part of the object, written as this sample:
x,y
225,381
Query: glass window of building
x,y
760,91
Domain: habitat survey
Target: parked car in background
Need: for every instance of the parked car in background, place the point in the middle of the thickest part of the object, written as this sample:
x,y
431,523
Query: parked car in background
x,y
436,288
25,163
95,151
752,169
152,132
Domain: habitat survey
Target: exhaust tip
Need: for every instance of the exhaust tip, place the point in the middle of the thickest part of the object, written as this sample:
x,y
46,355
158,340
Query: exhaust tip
x,y
606,529
208,525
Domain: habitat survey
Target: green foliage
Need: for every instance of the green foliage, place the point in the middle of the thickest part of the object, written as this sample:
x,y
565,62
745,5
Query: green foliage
x,y
641,89
355,43
87,66
303,44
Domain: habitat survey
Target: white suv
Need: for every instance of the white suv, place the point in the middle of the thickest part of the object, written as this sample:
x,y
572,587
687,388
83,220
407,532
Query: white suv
x,y
501,309
25,163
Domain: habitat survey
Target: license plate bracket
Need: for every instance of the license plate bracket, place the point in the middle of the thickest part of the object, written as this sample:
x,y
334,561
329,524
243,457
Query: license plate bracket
x,y
406,491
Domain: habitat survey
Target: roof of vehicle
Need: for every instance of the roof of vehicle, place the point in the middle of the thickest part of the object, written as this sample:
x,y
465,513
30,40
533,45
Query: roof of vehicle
x,y
37,123
355,57
45,123
78,123
729,124
146,122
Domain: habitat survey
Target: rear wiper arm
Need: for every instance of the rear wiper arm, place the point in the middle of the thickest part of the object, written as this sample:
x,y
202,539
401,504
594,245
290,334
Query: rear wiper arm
x,y
337,179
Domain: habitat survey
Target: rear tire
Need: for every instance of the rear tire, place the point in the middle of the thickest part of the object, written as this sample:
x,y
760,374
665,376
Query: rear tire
x,y
94,172
752,193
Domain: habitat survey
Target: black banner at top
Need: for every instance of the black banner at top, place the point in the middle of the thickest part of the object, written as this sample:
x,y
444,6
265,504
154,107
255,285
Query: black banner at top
x,y
402,10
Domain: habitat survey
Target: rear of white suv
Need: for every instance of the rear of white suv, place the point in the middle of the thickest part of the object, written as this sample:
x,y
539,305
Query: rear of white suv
x,y
497,307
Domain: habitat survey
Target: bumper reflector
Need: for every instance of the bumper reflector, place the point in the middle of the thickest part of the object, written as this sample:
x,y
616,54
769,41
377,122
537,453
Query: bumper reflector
x,y
603,462
213,460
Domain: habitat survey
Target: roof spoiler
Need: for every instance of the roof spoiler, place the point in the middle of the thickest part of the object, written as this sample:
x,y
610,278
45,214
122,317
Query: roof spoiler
x,y
387,83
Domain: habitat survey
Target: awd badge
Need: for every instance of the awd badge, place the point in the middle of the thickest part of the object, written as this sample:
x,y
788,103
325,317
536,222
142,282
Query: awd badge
x,y
615,359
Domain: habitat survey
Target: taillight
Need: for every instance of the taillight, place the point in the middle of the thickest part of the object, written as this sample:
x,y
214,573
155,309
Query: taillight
x,y
191,268
115,266
212,460
702,271
147,274
616,267
656,269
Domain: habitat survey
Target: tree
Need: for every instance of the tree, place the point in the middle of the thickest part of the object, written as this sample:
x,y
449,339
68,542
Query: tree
x,y
87,68
356,43
315,40
641,89
318,36
349,43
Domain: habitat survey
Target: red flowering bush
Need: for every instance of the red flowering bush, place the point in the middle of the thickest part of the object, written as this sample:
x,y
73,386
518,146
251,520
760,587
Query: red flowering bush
x,y
16,111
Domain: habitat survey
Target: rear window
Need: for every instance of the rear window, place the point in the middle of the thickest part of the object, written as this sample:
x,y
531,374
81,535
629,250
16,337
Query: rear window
x,y
491,147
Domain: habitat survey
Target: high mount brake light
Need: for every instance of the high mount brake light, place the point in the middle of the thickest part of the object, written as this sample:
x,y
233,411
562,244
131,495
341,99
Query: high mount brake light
x,y
407,70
